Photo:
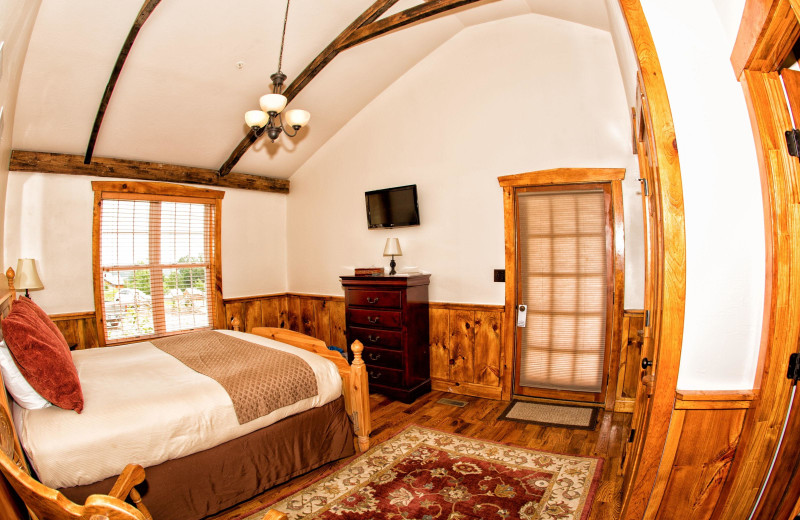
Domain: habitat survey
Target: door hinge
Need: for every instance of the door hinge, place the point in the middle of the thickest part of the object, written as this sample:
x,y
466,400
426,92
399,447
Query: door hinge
x,y
793,372
646,318
793,142
632,435
645,186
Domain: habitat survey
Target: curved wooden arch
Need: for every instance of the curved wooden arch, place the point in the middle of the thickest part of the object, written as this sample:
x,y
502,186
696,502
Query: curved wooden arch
x,y
669,257
141,18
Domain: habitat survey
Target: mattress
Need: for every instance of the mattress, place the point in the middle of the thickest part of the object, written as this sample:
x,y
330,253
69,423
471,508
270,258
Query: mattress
x,y
143,406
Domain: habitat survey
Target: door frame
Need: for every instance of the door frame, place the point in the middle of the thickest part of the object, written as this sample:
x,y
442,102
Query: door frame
x,y
562,176
767,33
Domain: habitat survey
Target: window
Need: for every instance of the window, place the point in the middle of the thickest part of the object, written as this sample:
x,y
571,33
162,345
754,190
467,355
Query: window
x,y
565,274
156,259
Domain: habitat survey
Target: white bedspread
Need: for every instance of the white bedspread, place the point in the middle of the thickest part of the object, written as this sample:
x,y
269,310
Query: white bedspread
x,y
144,406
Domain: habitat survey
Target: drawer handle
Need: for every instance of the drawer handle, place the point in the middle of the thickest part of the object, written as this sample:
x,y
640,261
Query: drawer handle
x,y
373,320
374,375
370,300
373,357
375,339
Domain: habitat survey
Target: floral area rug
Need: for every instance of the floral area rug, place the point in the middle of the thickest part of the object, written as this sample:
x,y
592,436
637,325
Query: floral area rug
x,y
425,474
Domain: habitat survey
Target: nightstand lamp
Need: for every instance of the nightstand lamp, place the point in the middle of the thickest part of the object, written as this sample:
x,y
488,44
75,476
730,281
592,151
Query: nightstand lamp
x,y
27,278
392,249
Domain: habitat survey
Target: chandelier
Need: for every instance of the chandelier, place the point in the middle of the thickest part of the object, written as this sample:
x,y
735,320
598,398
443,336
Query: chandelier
x,y
270,118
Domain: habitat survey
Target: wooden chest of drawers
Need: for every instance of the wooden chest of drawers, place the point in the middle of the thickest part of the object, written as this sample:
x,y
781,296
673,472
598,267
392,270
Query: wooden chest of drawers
x,y
389,315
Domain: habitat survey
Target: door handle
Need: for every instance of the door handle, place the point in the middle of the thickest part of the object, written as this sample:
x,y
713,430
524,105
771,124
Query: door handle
x,y
646,363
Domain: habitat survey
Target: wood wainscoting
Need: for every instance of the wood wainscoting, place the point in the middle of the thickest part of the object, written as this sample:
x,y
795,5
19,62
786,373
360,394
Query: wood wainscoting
x,y
630,349
702,441
79,329
466,349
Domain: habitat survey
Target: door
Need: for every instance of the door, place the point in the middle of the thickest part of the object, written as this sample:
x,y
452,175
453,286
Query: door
x,y
565,288
649,352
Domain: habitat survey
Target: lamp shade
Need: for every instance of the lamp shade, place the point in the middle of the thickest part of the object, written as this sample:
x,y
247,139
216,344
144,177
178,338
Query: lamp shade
x,y
27,277
256,118
392,248
297,118
273,103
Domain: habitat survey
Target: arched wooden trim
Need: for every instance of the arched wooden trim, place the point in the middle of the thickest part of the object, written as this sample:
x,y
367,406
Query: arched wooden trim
x,y
509,183
670,260
144,14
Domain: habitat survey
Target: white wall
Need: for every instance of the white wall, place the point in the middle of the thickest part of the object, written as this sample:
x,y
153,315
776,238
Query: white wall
x,y
16,23
49,218
722,195
543,94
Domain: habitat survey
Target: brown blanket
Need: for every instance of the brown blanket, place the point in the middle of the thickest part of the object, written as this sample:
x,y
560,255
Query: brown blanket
x,y
258,379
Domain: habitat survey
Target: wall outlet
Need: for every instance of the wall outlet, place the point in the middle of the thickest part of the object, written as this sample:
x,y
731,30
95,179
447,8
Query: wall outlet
x,y
499,275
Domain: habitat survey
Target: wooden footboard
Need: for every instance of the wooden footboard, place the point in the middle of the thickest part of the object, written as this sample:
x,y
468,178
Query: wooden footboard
x,y
354,377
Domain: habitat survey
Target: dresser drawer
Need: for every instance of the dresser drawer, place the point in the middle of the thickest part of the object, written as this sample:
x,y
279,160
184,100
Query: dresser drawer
x,y
368,298
382,357
384,376
374,317
377,337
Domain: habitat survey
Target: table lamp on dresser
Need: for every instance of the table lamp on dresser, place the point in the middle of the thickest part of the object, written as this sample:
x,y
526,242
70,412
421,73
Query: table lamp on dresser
x,y
392,249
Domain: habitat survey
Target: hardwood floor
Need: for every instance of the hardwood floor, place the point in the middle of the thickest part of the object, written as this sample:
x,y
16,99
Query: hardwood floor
x,y
478,419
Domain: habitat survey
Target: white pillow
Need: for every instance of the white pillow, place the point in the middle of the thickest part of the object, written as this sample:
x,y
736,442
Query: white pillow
x,y
22,392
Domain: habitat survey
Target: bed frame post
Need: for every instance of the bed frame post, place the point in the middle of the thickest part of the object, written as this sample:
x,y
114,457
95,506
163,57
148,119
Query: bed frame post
x,y
359,394
10,275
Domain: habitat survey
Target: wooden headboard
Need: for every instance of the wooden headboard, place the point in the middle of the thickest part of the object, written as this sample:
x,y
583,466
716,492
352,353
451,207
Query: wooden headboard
x,y
10,505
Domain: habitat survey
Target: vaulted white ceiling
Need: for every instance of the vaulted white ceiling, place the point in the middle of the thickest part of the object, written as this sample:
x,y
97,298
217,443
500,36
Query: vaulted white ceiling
x,y
198,65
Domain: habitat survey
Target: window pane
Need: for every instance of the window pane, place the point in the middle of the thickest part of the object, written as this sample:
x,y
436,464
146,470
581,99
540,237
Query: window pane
x,y
127,303
185,298
125,232
183,233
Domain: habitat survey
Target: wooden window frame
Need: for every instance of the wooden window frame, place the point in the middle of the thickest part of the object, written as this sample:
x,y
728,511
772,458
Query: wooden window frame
x,y
154,191
575,177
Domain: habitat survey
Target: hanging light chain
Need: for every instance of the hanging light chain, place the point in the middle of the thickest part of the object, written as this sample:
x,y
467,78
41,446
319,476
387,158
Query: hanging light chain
x,y
283,36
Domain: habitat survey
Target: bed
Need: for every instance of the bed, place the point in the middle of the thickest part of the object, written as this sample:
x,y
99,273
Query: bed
x,y
211,455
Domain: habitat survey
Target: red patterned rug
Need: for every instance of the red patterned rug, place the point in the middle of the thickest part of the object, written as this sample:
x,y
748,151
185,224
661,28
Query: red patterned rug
x,y
426,474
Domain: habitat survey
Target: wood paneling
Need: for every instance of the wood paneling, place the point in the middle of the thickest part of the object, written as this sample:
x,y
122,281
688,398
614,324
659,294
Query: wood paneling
x,y
79,329
702,440
466,349
487,352
630,347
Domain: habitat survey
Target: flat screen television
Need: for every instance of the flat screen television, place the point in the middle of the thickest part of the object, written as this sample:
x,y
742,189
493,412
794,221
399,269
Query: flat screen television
x,y
392,207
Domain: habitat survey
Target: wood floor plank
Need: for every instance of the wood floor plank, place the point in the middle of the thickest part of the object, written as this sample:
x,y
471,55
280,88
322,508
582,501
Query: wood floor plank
x,y
479,419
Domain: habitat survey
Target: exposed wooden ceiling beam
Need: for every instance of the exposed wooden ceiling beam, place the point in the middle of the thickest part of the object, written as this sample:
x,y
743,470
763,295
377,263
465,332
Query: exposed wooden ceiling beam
x,y
144,13
69,164
372,13
401,19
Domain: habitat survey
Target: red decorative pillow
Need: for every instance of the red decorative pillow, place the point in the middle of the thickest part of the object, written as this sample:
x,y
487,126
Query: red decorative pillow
x,y
45,318
41,358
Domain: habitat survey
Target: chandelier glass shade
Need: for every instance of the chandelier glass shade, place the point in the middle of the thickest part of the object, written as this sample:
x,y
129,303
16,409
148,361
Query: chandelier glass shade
x,y
270,118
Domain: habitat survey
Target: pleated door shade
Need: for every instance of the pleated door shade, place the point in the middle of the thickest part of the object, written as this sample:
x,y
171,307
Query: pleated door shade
x,y
27,277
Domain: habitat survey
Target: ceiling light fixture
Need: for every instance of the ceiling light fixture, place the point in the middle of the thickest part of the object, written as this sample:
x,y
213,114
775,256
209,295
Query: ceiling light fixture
x,y
270,117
